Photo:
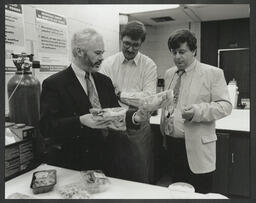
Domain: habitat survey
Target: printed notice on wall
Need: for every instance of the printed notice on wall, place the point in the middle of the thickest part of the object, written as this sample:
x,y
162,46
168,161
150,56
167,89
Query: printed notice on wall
x,y
14,33
52,40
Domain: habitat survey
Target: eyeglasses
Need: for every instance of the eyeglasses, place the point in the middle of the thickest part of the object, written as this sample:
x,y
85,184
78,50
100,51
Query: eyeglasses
x,y
133,45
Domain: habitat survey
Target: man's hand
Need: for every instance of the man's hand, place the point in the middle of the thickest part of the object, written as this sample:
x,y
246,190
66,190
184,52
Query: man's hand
x,y
188,113
166,101
90,121
141,116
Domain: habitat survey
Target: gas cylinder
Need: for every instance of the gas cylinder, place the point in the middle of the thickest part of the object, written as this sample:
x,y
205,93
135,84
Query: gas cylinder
x,y
24,92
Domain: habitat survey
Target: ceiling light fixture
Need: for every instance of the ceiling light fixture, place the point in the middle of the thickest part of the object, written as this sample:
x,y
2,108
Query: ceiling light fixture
x,y
139,8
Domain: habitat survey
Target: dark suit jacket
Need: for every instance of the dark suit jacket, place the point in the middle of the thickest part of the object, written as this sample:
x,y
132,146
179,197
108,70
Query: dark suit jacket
x,y
63,100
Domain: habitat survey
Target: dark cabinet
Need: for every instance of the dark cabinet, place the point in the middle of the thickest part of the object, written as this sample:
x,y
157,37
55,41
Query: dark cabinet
x,y
235,64
232,164
220,181
223,34
239,165
229,35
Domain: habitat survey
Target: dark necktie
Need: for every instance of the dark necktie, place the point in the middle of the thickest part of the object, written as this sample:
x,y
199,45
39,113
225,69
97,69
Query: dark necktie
x,y
176,90
91,92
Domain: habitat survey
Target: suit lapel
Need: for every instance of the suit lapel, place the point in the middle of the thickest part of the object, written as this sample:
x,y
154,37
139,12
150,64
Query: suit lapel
x,y
195,84
169,78
77,93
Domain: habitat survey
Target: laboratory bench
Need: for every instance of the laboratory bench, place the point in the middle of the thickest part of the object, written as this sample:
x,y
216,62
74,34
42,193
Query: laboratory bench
x,y
117,189
231,176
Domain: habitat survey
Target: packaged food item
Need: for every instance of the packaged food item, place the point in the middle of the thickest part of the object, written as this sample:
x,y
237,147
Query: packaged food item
x,y
18,195
43,181
115,115
157,101
148,103
74,191
95,181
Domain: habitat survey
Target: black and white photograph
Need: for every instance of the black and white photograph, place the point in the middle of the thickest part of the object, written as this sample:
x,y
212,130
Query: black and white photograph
x,y
128,101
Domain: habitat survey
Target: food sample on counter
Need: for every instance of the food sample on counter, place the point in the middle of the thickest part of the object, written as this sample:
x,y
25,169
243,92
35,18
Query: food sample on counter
x,y
116,116
95,181
18,195
148,103
74,191
43,181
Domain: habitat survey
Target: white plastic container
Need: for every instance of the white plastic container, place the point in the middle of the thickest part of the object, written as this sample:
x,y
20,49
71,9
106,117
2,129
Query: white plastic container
x,y
233,92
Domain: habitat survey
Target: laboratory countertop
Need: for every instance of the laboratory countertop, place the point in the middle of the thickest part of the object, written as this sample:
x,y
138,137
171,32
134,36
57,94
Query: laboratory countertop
x,y
118,189
238,120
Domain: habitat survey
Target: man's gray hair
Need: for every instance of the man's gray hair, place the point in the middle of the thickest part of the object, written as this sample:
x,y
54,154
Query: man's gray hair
x,y
81,38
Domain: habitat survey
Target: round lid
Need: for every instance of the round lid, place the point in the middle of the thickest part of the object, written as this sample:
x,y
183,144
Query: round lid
x,y
181,187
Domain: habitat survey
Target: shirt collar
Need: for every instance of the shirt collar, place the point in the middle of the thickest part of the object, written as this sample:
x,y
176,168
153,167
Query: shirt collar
x,y
190,67
78,71
135,60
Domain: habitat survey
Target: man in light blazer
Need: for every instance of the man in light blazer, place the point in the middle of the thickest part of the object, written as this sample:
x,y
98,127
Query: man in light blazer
x,y
200,98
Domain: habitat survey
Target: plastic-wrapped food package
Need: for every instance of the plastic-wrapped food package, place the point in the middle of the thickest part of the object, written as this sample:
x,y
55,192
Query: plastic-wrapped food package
x,y
74,191
115,115
157,101
18,195
148,103
95,181
43,181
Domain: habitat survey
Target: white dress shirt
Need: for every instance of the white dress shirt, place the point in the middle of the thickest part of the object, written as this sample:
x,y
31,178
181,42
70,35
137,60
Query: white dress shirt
x,y
137,75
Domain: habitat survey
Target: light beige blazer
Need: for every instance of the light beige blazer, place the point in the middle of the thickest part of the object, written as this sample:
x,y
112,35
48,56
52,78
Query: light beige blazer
x,y
209,96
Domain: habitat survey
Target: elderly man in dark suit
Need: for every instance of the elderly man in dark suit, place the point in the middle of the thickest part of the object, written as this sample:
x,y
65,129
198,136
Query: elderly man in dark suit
x,y
66,99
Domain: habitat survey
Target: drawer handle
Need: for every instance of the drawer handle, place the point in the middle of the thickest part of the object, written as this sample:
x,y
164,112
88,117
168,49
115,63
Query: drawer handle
x,y
232,158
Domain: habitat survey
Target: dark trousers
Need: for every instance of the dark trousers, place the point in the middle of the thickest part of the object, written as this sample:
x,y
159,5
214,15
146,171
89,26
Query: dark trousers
x,y
131,155
179,168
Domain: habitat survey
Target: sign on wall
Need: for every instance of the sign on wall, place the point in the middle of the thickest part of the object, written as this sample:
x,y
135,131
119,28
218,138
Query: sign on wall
x,y
14,33
52,40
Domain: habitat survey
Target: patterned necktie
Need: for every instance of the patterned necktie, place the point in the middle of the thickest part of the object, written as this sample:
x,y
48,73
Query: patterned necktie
x,y
91,91
169,117
176,90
